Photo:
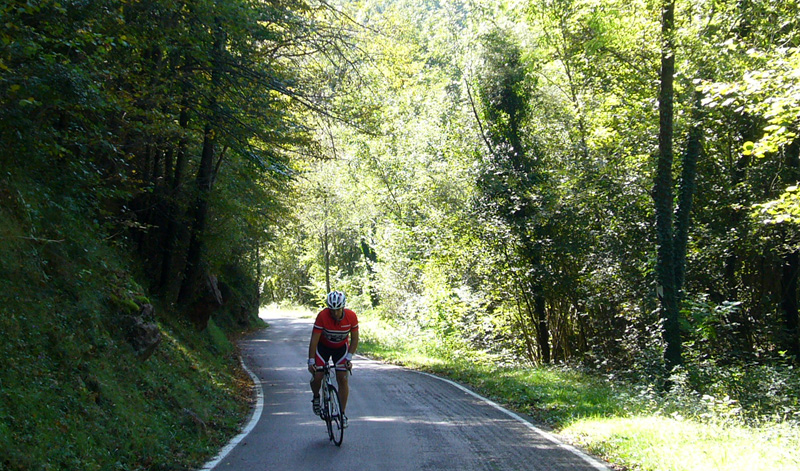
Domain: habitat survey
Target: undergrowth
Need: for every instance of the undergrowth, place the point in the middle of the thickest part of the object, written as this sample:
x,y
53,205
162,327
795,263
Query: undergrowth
x,y
73,393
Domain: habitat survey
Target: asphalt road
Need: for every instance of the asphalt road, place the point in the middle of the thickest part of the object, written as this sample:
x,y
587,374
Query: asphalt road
x,y
399,419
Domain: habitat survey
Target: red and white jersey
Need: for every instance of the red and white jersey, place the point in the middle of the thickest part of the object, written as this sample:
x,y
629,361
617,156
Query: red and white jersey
x,y
335,334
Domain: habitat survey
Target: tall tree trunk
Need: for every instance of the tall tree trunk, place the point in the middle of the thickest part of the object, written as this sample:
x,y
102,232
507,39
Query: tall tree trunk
x,y
662,195
518,185
193,274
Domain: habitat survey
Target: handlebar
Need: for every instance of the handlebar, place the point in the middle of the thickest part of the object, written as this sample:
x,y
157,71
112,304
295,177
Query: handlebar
x,y
328,365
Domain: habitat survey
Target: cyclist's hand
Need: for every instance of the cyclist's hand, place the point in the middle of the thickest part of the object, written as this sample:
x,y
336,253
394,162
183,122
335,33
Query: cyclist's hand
x,y
312,367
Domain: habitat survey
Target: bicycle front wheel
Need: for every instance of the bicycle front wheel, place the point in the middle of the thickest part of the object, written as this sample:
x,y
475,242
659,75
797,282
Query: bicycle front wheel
x,y
326,411
336,424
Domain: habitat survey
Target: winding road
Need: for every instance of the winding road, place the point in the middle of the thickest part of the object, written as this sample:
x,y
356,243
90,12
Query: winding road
x,y
399,419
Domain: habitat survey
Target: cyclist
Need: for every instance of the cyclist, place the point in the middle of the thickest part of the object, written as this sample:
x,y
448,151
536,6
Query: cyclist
x,y
335,335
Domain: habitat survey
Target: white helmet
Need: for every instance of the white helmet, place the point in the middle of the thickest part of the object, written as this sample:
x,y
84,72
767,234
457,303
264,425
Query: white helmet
x,y
335,300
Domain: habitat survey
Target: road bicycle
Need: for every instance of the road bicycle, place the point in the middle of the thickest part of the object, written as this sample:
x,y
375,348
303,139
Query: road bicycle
x,y
331,407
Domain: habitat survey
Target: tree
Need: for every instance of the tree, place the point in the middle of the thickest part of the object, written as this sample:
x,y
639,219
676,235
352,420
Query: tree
x,y
668,289
512,182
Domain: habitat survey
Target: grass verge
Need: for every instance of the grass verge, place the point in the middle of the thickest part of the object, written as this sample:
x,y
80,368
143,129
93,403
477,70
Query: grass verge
x,y
628,425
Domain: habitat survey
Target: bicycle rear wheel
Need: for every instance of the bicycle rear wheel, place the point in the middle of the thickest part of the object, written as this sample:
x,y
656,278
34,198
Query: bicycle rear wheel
x,y
336,422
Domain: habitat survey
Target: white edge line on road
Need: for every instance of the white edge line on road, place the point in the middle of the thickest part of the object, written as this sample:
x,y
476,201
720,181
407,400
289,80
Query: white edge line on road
x,y
593,462
250,425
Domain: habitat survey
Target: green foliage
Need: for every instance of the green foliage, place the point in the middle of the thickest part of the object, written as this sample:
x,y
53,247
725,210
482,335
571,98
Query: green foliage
x,y
781,212
753,392
711,325
766,92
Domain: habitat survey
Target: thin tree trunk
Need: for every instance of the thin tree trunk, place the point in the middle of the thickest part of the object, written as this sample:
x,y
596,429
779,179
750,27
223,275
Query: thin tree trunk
x,y
528,336
543,328
532,254
750,131
370,259
327,258
326,254
259,275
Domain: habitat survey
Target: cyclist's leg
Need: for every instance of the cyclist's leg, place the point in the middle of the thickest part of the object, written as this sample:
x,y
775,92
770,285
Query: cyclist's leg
x,y
316,380
344,388
341,375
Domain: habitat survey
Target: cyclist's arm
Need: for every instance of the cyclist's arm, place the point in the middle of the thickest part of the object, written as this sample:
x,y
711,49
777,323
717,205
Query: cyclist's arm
x,y
312,345
353,347
353,341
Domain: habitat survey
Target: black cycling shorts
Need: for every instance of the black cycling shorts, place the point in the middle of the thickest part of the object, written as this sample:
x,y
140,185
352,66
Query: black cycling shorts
x,y
324,353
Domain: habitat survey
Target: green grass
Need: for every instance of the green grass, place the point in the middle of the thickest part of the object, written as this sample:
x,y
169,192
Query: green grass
x,y
667,443
628,425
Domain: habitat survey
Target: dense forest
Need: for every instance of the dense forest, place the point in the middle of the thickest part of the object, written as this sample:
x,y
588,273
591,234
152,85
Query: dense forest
x,y
602,183
598,183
